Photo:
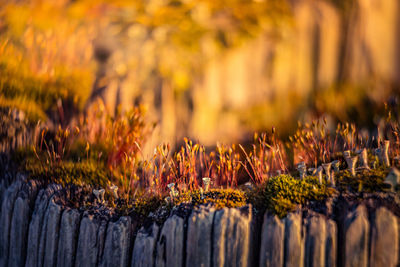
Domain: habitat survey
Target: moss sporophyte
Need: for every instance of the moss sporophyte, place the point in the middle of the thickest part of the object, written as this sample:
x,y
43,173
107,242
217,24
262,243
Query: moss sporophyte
x,y
107,156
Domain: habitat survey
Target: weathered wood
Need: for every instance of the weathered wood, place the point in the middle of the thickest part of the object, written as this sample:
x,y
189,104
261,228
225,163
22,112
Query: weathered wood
x,y
171,242
69,230
90,240
384,239
145,246
7,209
49,237
294,243
231,237
19,230
331,244
315,241
199,237
37,223
272,241
117,243
356,238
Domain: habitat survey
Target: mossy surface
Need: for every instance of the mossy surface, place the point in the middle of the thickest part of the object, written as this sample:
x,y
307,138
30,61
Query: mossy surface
x,y
68,172
279,195
220,198
283,193
76,169
142,206
368,181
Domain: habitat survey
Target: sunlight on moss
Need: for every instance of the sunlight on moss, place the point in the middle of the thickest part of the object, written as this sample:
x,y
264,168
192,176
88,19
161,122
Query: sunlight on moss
x,y
283,193
220,198
75,173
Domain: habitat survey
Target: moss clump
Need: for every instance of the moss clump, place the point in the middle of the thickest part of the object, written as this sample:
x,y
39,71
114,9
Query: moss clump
x,y
365,181
141,205
282,193
220,198
144,205
39,165
67,172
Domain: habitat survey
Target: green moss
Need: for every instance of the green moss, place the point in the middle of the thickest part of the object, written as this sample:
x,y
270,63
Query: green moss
x,y
142,205
146,204
68,172
220,198
282,193
365,181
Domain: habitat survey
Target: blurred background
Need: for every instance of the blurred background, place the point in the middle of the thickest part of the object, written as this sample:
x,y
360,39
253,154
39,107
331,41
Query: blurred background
x,y
205,69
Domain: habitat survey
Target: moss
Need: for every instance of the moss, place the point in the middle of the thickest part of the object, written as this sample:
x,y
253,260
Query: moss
x,y
145,203
279,195
220,198
142,205
68,172
282,193
74,169
365,181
